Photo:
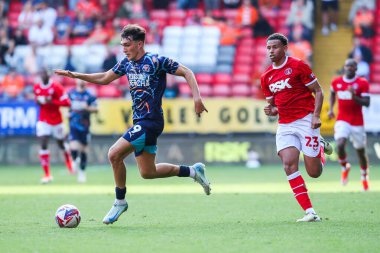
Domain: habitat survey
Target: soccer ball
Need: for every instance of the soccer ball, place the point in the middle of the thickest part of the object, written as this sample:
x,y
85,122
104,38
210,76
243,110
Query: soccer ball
x,y
67,216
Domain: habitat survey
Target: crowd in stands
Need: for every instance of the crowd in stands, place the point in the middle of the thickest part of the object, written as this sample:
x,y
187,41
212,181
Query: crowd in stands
x,y
84,35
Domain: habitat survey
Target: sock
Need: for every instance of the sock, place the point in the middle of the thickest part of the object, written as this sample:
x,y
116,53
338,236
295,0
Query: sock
x,y
74,154
184,171
299,189
45,161
120,193
364,173
83,160
68,160
343,162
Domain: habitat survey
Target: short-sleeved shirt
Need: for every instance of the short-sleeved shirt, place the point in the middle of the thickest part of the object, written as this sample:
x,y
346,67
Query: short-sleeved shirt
x,y
79,117
348,109
147,83
288,86
50,112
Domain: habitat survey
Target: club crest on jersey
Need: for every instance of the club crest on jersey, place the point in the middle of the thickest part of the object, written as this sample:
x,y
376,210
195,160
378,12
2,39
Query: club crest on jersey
x,y
279,85
288,71
146,68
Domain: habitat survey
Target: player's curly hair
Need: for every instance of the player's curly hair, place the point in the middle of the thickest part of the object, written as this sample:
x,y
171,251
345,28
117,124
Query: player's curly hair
x,y
133,32
280,37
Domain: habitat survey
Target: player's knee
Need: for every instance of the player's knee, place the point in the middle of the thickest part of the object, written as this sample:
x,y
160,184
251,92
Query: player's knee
x,y
113,156
315,173
147,174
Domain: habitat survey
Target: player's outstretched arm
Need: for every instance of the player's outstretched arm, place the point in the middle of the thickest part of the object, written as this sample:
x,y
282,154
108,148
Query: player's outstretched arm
x,y
190,79
102,78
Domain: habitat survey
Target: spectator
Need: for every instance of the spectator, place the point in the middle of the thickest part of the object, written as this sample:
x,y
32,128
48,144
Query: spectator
x,y
300,48
4,47
33,62
46,13
39,34
88,8
363,23
247,15
154,36
3,8
69,60
99,35
301,15
62,25
104,12
262,28
362,50
211,5
82,26
25,19
131,9
231,4
363,69
116,28
161,4
229,32
110,60
172,89
12,86
19,37
10,57
330,14
187,4
358,4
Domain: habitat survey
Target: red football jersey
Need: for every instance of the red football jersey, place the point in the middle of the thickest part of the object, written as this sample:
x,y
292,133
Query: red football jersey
x,y
49,112
287,85
348,109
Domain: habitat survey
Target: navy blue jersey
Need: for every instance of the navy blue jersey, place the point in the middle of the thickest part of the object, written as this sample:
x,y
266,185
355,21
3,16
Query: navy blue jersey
x,y
79,116
147,83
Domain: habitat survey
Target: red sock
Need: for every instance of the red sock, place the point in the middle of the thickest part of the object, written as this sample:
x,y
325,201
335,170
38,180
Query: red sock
x,y
343,161
299,189
45,163
68,161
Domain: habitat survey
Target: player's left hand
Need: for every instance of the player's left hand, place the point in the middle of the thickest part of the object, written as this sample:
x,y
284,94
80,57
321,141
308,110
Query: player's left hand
x,y
64,73
199,107
316,122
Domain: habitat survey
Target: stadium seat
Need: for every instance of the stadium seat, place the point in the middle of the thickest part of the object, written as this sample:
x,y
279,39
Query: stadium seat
x,y
374,88
204,78
241,78
242,69
205,89
222,78
240,90
184,90
221,90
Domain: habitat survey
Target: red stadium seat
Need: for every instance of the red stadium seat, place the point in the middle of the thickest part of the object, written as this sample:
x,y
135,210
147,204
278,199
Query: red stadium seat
x,y
222,78
221,90
205,89
374,88
240,90
242,78
184,90
203,77
242,69
243,59
230,13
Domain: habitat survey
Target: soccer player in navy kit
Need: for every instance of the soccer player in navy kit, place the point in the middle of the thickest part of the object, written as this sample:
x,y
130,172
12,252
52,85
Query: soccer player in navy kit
x,y
146,73
83,103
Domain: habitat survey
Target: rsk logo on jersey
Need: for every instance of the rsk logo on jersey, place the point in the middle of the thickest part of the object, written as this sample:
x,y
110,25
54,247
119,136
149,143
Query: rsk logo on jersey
x,y
344,95
279,85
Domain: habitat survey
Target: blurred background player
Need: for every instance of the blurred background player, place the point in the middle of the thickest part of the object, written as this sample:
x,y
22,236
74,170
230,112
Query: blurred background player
x,y
289,85
83,103
146,73
50,96
352,93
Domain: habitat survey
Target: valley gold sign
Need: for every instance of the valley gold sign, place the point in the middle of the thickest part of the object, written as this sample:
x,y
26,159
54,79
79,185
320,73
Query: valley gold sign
x,y
225,116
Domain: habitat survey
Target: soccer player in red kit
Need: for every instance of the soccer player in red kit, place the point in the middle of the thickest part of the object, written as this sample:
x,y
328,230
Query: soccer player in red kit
x,y
288,85
352,93
50,96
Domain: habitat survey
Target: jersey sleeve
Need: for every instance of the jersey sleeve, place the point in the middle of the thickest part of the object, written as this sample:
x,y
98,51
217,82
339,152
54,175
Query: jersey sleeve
x,y
307,76
120,67
364,88
92,101
167,65
265,88
61,98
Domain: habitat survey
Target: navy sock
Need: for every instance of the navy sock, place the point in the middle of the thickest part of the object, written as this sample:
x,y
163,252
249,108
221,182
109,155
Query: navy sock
x,y
184,171
74,154
83,160
120,193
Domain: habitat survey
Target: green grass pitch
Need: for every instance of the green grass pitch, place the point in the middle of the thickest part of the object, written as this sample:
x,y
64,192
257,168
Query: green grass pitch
x,y
249,210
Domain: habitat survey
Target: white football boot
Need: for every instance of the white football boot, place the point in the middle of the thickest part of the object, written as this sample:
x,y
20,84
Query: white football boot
x,y
114,213
200,177
310,217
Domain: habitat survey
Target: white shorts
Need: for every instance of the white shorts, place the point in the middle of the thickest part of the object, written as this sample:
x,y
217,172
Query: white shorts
x,y
300,135
356,134
45,129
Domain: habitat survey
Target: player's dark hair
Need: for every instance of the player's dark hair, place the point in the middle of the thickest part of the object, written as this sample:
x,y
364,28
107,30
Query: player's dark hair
x,y
133,32
280,37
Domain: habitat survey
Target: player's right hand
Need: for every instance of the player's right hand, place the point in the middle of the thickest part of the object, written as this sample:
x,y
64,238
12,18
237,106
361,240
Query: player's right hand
x,y
270,110
62,72
330,115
